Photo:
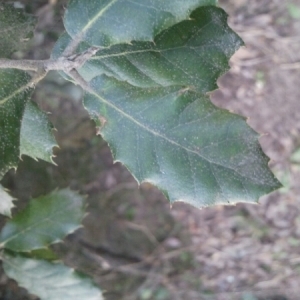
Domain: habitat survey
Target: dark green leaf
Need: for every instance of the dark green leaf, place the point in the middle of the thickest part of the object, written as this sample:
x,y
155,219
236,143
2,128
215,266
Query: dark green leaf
x,y
108,22
191,53
14,93
46,220
50,281
37,139
16,28
6,203
178,140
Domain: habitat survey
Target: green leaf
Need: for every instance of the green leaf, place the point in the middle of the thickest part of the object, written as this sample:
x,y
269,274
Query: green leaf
x,y
6,202
16,28
14,93
108,22
46,220
50,281
37,139
149,101
184,54
178,140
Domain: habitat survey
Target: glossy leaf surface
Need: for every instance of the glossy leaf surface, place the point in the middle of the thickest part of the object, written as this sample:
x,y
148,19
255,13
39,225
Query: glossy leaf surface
x,y
178,140
37,139
14,93
46,220
50,281
109,22
16,28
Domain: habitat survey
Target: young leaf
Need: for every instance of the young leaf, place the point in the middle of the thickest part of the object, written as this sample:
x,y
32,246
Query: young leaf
x,y
178,140
37,139
14,93
184,55
6,203
108,22
50,281
16,28
46,220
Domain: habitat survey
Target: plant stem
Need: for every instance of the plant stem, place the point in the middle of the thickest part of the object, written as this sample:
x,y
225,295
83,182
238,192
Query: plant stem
x,y
27,65
59,64
62,63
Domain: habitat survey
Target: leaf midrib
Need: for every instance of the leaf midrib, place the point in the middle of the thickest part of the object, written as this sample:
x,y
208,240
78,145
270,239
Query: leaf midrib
x,y
100,57
18,91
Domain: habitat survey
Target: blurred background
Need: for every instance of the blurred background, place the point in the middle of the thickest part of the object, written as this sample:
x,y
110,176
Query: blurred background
x,y
132,244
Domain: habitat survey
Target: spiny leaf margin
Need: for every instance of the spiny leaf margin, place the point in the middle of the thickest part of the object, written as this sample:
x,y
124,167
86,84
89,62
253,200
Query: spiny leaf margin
x,y
15,91
37,139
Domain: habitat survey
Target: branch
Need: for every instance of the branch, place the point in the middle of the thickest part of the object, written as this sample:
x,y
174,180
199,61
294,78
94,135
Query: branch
x,y
27,65
65,64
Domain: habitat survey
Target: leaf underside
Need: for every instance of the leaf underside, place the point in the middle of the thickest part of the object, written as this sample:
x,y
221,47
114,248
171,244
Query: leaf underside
x,y
14,93
16,28
6,202
37,140
108,22
46,220
50,281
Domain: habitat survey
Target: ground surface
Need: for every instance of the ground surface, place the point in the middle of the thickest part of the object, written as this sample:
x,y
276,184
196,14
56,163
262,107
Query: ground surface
x,y
133,245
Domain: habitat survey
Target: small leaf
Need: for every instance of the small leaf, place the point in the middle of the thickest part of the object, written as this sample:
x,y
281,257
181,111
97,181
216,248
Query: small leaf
x,y
16,28
50,281
46,220
37,139
104,23
6,202
178,140
14,93
184,55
